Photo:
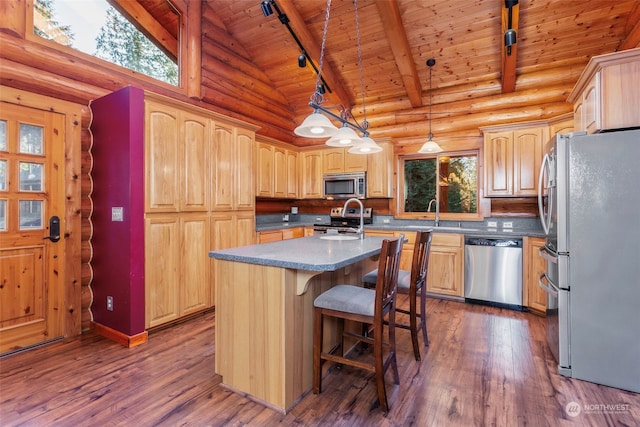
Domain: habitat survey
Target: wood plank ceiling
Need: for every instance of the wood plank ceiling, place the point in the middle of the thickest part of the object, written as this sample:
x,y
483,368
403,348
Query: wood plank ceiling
x,y
253,58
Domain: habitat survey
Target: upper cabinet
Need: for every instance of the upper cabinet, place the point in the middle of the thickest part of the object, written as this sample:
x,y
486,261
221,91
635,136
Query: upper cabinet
x,y
607,93
338,159
277,171
512,157
380,171
311,174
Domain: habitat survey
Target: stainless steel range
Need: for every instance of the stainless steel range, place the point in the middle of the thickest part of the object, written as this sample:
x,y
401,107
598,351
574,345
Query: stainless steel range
x,y
348,223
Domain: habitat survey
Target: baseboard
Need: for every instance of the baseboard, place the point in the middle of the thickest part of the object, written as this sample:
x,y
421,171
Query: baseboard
x,y
119,337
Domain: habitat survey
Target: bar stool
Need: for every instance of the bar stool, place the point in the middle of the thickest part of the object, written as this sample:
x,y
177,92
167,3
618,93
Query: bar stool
x,y
410,283
369,306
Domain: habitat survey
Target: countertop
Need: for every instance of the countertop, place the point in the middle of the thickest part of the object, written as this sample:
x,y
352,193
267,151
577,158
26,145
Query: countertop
x,y
467,230
305,253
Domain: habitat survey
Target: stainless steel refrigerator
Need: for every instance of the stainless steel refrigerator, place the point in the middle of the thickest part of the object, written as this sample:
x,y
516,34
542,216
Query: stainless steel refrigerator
x,y
590,209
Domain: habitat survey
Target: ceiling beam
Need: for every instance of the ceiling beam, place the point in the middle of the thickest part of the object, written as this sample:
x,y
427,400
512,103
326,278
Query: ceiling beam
x,y
394,30
509,61
148,25
313,49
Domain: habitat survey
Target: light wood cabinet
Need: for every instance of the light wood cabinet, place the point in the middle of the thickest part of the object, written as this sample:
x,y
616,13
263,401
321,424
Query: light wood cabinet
x,y
561,125
277,171
445,275
380,172
533,266
604,96
311,174
232,168
281,234
338,160
512,160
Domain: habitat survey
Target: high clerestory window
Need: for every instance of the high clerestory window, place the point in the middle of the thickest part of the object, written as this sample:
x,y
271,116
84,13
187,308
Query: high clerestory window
x,y
449,180
149,45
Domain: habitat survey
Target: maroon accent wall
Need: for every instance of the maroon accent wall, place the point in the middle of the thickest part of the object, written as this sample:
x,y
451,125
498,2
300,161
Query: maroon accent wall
x,y
118,181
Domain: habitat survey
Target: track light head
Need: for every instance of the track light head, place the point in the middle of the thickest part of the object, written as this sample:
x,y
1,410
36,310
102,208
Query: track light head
x,y
510,3
302,60
266,7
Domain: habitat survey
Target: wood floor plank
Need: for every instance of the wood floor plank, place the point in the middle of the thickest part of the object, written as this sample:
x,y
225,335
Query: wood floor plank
x,y
484,366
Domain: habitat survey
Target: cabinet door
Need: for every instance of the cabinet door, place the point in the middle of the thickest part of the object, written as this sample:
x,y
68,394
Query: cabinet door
x,y
311,174
406,259
162,246
292,175
243,170
195,163
264,178
194,281
591,105
279,172
161,158
535,265
292,233
527,157
269,236
354,162
445,274
223,165
498,163
333,160
380,172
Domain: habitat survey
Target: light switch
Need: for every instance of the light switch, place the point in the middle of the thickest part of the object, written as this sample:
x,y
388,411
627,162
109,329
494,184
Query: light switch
x,y
117,213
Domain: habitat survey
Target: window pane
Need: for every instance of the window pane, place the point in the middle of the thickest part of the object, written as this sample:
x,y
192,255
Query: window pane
x,y
3,135
30,214
96,28
3,215
31,139
3,175
458,184
30,176
420,185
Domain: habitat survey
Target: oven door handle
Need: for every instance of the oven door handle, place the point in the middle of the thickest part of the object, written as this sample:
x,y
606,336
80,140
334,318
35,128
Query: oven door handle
x,y
549,287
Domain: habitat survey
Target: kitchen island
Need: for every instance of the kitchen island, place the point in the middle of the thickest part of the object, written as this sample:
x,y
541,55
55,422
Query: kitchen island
x,y
264,310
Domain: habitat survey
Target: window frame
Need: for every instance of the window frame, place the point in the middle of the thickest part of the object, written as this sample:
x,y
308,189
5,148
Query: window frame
x,y
453,216
189,57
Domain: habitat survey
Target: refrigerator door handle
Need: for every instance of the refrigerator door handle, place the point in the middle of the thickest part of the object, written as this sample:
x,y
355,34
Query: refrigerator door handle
x,y
551,289
548,254
544,219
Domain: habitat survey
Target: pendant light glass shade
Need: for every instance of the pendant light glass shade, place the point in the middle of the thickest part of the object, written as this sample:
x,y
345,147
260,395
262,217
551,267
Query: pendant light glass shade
x,y
344,138
367,146
316,125
430,146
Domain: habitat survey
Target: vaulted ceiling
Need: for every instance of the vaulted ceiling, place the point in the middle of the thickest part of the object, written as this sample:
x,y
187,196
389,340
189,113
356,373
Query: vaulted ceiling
x,y
254,58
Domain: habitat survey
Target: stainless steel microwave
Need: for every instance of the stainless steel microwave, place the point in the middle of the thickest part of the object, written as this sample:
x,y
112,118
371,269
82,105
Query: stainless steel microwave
x,y
345,185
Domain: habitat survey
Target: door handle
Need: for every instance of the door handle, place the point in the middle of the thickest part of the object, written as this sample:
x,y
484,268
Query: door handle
x,y
54,229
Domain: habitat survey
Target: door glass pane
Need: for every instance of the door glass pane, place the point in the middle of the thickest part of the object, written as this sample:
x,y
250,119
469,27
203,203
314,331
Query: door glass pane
x,y
30,214
3,215
3,135
30,176
31,140
3,175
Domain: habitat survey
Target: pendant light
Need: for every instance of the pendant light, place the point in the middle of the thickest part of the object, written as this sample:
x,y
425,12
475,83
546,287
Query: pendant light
x,y
317,124
430,146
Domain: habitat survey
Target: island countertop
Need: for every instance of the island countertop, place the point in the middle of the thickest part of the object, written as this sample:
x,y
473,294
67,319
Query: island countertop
x,y
307,253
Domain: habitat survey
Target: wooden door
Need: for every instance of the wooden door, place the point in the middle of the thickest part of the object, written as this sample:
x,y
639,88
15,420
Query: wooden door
x,y
264,178
195,163
292,174
31,193
162,129
243,169
223,164
527,157
279,172
498,163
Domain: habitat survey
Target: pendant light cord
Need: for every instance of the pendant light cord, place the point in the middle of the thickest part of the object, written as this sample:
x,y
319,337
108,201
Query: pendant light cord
x,y
365,124
317,95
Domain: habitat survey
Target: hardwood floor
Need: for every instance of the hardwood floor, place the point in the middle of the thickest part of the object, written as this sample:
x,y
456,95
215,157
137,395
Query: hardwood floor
x,y
485,366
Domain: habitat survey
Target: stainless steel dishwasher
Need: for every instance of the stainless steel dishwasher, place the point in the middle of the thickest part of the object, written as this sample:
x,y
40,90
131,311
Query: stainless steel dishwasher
x,y
493,271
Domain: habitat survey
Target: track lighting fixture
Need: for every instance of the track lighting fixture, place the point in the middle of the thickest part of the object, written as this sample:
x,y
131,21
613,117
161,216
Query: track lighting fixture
x,y
510,36
302,60
430,146
315,125
266,7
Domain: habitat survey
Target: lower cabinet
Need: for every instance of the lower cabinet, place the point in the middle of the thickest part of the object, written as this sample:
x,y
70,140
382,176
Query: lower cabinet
x,y
177,275
534,265
445,274
280,234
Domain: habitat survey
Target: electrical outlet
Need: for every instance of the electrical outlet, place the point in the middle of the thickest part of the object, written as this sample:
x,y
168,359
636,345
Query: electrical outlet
x,y
318,218
386,221
507,224
492,224
109,303
117,214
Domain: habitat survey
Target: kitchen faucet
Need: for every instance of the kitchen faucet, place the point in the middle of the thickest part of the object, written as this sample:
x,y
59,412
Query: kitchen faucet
x,y
437,221
360,230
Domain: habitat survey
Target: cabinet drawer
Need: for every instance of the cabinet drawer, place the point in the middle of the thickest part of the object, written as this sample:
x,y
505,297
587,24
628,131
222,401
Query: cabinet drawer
x,y
446,239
